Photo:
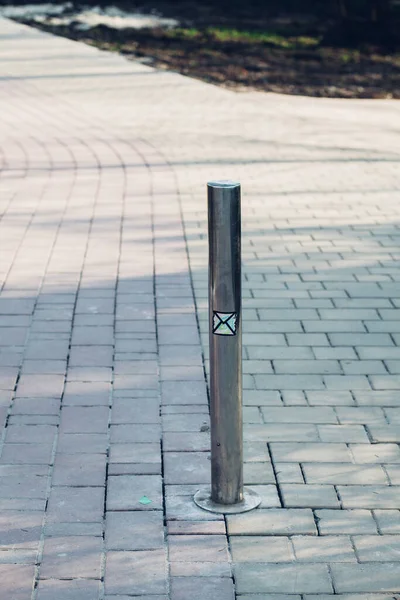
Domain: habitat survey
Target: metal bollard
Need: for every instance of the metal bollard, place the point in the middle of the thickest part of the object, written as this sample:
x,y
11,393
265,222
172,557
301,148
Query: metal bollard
x,y
227,494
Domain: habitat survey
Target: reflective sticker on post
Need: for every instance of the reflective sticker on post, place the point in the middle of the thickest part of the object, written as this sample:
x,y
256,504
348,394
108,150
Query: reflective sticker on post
x,y
224,323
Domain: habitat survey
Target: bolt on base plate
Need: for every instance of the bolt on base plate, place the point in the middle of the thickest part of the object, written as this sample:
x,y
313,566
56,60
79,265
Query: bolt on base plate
x,y
250,501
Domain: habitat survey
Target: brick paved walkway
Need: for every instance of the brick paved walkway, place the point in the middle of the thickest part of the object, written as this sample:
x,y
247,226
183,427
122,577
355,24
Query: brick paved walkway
x,y
103,322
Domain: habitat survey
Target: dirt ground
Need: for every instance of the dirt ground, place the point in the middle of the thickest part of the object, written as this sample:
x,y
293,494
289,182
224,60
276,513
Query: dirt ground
x,y
243,50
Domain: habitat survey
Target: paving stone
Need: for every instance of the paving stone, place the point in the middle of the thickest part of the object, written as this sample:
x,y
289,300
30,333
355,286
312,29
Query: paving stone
x,y
20,529
135,453
303,452
134,530
187,467
186,442
28,454
292,579
376,453
388,521
84,419
135,433
17,581
357,496
340,473
333,522
198,548
277,432
69,504
330,397
183,508
369,577
323,549
74,529
261,549
343,433
31,434
385,548
140,572
126,491
75,557
258,473
183,588
196,528
200,569
186,422
312,496
126,410
74,589
82,443
272,522
181,392
76,469
299,414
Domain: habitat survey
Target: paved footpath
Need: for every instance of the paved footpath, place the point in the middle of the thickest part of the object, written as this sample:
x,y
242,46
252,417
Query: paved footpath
x,y
103,334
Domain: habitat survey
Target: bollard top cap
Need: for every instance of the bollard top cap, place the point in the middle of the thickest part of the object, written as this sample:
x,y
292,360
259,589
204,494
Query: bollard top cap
x,y
223,183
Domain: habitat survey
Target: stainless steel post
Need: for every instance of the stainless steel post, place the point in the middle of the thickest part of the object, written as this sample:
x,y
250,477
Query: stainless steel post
x,y
225,299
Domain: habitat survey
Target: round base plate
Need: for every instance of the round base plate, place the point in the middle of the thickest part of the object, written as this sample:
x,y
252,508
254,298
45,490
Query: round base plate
x,y
250,501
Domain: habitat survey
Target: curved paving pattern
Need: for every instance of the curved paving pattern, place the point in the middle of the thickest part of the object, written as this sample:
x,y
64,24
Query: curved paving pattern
x,y
103,334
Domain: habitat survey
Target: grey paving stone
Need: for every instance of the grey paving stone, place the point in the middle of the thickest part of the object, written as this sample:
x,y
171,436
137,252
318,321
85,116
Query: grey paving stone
x,y
28,454
198,548
72,557
69,504
343,433
309,496
357,496
187,467
126,491
183,588
385,433
261,549
314,452
196,528
330,397
74,589
87,356
135,433
35,406
289,382
31,434
299,414
82,443
183,508
323,549
134,530
135,453
76,469
134,468
92,336
362,415
272,522
17,581
288,473
186,422
258,473
292,579
340,473
333,522
261,398
181,392
276,432
74,529
20,529
368,577
186,442
141,572
129,410
200,569
84,419
385,548
388,521
376,453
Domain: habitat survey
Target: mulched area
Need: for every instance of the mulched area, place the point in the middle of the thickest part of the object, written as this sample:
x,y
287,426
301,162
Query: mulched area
x,y
235,52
